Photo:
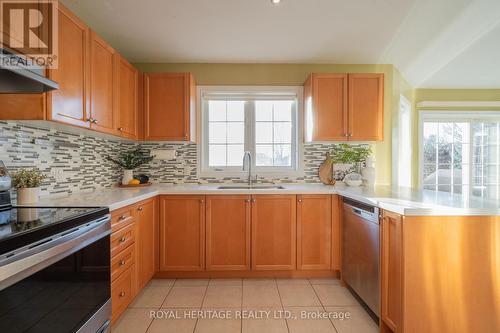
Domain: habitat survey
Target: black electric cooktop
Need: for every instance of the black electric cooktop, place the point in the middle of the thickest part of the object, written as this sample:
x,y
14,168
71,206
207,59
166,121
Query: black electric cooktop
x,y
21,226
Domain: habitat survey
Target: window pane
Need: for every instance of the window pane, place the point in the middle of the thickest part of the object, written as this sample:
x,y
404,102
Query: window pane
x,y
263,110
445,131
217,133
235,110
264,155
282,132
444,174
236,133
217,110
429,174
263,132
217,155
283,110
235,155
282,155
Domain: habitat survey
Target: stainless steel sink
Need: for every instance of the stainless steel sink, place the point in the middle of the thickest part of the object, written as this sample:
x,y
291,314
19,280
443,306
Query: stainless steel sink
x,y
253,187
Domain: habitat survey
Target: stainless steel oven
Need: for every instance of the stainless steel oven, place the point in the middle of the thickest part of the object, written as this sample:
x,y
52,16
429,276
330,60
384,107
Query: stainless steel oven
x,y
55,278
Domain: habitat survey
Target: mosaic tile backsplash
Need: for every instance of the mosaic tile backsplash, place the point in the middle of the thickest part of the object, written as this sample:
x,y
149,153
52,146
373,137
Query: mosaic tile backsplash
x,y
77,162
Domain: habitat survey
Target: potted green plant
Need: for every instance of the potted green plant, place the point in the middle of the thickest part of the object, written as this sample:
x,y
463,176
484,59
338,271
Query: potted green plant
x,y
130,160
27,182
353,157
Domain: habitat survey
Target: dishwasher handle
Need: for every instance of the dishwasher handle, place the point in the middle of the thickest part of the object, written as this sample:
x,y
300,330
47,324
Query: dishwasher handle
x,y
366,212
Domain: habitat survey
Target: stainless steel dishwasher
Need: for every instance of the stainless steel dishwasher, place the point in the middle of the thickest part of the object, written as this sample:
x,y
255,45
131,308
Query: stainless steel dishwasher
x,y
361,251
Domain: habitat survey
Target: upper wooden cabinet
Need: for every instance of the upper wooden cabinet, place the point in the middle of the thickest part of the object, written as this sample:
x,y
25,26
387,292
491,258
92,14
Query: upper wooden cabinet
x,y
314,232
182,233
273,232
127,78
70,103
325,107
103,110
228,232
344,107
366,107
169,110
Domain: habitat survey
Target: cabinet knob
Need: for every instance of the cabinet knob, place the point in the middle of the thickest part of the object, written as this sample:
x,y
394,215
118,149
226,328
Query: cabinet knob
x,y
247,200
300,200
121,218
123,239
120,129
254,200
90,120
202,201
122,262
139,209
122,294
94,121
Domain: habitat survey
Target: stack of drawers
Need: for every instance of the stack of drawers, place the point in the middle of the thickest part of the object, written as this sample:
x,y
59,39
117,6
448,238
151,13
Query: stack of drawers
x,y
122,259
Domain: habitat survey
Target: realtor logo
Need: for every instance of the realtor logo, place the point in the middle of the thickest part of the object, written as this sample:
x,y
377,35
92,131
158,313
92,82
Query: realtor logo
x,y
29,28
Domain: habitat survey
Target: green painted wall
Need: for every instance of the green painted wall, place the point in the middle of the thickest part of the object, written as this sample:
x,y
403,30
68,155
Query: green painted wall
x,y
291,74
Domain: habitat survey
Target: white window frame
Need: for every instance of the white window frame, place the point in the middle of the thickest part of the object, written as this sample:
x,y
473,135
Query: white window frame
x,y
468,116
404,166
257,93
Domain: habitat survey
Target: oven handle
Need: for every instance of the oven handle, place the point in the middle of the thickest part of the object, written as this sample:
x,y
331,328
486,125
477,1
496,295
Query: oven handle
x,y
36,257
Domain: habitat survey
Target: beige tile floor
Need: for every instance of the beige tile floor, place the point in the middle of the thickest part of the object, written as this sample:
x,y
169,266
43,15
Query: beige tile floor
x,y
245,306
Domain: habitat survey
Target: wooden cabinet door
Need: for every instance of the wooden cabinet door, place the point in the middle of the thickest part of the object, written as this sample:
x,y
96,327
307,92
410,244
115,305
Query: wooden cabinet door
x,y
366,107
314,232
102,86
126,103
273,232
146,241
168,106
69,103
228,232
326,107
336,232
392,270
182,233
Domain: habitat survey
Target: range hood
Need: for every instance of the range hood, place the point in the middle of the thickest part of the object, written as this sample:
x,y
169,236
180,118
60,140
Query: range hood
x,y
21,79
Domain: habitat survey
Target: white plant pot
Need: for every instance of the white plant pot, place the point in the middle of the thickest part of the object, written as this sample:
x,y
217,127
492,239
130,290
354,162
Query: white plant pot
x,y
27,195
128,175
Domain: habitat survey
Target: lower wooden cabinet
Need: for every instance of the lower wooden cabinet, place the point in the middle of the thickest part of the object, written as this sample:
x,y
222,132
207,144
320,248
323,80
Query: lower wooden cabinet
x,y
122,293
314,232
146,243
391,272
182,233
228,232
273,232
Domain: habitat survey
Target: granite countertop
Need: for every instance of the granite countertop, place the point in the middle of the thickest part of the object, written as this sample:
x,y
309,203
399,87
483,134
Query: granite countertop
x,y
405,201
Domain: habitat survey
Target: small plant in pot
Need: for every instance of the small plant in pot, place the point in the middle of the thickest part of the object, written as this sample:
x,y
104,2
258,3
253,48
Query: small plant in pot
x,y
27,183
354,156
130,160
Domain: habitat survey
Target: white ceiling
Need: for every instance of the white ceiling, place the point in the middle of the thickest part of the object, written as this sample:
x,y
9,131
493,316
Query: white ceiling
x,y
434,43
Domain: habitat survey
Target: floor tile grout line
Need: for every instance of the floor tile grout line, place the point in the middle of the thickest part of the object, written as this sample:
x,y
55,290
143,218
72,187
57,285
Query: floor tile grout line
x,y
169,291
282,306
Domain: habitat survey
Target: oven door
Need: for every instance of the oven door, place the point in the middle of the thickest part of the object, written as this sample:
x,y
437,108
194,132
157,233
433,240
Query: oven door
x,y
62,286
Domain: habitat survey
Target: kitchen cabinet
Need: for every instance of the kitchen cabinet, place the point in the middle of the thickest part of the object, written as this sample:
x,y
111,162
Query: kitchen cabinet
x,y
122,293
127,78
169,107
392,271
325,97
103,110
274,232
344,107
314,232
336,243
182,233
70,103
228,232
146,243
366,107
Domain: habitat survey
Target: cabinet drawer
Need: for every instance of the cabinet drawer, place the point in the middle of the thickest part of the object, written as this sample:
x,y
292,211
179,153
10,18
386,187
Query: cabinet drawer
x,y
122,261
122,217
121,293
121,239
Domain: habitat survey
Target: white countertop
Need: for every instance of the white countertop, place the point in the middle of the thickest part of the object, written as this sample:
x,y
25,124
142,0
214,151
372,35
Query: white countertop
x,y
403,201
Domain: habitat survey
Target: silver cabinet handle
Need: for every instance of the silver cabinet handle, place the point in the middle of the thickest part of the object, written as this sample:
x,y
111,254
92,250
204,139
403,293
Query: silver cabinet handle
x,y
254,200
120,129
122,262
123,239
121,218
300,200
122,294
140,209
247,200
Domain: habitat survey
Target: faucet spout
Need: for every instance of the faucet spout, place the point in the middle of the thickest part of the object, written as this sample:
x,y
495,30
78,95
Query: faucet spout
x,y
247,165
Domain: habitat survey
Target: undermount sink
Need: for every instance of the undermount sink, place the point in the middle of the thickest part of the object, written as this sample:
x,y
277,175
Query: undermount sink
x,y
252,187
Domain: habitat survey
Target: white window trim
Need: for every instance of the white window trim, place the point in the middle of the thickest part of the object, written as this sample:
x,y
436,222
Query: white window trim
x,y
248,92
448,116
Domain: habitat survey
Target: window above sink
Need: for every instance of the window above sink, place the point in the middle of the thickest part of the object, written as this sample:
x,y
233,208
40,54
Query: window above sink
x,y
261,120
